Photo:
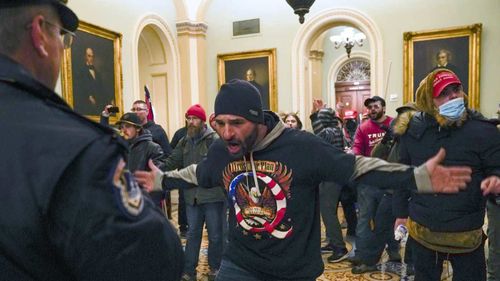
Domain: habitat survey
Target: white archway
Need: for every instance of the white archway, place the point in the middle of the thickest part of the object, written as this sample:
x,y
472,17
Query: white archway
x,y
173,67
335,67
315,26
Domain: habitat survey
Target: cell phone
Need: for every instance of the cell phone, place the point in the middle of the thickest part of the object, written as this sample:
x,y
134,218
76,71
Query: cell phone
x,y
113,109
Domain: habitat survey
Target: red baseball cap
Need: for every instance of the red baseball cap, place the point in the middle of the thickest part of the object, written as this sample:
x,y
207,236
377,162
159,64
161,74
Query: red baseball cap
x,y
350,114
443,79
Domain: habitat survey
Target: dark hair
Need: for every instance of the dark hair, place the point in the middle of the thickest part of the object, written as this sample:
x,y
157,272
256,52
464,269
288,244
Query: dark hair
x,y
295,116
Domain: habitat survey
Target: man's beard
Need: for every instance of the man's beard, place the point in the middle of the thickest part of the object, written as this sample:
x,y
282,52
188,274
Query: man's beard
x,y
245,146
193,131
377,116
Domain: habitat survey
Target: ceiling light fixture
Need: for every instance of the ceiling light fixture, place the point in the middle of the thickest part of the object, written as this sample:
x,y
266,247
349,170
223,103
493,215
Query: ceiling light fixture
x,y
348,39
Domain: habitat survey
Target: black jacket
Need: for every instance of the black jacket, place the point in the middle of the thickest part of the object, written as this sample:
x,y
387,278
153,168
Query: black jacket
x,y
159,136
142,148
67,212
476,144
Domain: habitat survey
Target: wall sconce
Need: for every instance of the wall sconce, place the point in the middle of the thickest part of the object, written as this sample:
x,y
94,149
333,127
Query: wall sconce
x,y
348,38
300,7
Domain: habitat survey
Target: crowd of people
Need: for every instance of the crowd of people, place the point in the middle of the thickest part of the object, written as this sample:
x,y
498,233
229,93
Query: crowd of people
x,y
84,199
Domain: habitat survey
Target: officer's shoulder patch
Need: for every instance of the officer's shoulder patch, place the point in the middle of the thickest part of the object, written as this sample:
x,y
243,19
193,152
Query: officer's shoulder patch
x,y
127,192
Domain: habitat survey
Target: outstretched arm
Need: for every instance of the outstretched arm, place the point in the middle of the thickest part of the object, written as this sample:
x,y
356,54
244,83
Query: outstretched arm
x,y
446,179
429,177
152,180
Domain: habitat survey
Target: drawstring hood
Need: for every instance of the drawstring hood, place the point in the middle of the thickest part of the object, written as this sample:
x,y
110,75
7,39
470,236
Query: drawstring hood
x,y
271,120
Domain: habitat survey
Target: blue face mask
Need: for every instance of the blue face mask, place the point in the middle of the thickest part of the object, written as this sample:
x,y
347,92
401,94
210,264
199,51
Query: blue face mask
x,y
453,109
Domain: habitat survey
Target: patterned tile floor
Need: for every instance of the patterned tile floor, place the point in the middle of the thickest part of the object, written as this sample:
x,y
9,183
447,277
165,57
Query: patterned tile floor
x,y
341,271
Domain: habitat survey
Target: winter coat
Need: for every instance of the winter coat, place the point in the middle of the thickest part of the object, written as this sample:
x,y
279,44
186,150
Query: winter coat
x,y
189,151
142,148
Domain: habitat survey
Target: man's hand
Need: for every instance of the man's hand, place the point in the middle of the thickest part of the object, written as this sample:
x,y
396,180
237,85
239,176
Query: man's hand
x,y
490,184
147,179
447,179
105,112
400,221
317,105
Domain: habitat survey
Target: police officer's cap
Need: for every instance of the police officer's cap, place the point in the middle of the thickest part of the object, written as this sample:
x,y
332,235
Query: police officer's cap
x,y
68,18
130,118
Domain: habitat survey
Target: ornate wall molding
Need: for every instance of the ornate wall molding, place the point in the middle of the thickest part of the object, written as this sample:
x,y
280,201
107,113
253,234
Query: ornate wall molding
x,y
316,55
191,28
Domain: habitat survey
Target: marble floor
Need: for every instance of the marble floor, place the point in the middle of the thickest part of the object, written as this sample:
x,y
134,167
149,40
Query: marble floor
x,y
388,271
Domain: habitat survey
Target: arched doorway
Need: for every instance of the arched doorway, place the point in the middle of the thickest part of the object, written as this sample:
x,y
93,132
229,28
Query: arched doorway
x,y
352,84
307,34
157,66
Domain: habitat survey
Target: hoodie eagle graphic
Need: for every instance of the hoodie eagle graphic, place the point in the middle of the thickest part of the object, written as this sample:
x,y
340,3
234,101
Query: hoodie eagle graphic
x,y
259,192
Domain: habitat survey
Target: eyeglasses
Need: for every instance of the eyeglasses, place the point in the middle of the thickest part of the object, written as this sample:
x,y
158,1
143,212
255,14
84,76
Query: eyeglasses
x,y
134,109
66,35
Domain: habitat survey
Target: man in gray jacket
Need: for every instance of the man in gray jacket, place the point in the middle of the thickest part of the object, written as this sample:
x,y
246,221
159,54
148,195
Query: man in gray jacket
x,y
202,204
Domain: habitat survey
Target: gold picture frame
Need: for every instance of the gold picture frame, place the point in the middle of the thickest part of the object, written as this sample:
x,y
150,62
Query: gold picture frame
x,y
92,71
460,46
263,64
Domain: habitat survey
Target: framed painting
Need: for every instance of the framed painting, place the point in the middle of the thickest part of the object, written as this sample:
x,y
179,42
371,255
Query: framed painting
x,y
92,72
457,49
257,67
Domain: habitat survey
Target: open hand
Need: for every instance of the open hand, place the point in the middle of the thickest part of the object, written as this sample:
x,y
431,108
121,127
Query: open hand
x,y
447,179
147,179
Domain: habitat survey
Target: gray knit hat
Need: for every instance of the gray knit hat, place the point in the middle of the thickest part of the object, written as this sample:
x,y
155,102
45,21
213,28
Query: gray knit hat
x,y
239,97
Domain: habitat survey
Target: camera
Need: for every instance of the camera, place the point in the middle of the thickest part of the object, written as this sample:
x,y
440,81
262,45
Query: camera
x,y
113,109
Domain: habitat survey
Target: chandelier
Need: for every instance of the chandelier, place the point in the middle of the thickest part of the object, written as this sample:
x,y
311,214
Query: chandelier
x,y
348,39
300,7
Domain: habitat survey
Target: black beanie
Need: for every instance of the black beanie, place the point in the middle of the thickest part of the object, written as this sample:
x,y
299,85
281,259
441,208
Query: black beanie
x,y
239,97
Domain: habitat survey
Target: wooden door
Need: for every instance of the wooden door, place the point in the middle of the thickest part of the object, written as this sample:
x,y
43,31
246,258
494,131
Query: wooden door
x,y
352,95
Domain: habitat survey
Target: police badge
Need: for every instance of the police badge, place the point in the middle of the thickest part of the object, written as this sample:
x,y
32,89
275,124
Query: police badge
x,y
127,191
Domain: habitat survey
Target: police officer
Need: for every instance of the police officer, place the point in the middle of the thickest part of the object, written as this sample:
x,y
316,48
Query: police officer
x,y
69,211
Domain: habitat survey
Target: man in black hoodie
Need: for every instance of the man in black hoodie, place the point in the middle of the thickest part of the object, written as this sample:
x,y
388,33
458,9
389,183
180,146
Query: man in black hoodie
x,y
272,175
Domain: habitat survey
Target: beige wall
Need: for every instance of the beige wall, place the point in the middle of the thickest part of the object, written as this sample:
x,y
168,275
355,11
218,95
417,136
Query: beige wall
x,y
279,26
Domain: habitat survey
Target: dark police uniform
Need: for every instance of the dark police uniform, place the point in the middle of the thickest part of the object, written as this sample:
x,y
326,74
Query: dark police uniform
x,y
68,209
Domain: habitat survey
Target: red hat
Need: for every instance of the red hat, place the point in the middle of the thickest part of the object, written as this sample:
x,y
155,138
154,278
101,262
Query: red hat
x,y
198,111
350,114
443,79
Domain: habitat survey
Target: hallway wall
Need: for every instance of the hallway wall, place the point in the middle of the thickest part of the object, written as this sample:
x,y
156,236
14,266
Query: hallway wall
x,y
124,17
279,26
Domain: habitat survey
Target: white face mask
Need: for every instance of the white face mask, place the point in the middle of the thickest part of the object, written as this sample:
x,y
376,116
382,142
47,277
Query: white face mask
x,y
452,109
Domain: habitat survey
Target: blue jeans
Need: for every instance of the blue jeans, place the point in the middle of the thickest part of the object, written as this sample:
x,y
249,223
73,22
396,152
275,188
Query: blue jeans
x,y
493,242
329,194
229,272
375,206
197,215
232,272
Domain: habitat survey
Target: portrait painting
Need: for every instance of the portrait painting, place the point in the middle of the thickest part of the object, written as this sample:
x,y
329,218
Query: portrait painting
x,y
91,73
256,67
456,49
